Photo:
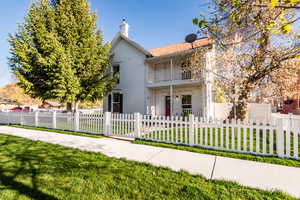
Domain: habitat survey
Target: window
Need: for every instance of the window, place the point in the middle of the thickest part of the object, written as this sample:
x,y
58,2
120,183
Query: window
x,y
279,105
115,103
187,104
116,70
288,102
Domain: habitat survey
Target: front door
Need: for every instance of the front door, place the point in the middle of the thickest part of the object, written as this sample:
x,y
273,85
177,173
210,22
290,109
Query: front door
x,y
168,105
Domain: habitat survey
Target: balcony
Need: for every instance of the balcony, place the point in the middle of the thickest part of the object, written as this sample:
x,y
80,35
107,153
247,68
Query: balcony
x,y
162,78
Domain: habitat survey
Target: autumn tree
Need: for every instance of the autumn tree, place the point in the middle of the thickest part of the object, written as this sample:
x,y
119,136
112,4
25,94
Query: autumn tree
x,y
256,48
58,53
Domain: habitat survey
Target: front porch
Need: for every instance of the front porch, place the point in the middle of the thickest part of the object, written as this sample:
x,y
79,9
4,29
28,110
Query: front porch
x,y
176,100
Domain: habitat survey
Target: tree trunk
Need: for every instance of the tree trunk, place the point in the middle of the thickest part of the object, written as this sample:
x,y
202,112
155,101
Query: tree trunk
x,y
69,107
239,108
238,111
76,105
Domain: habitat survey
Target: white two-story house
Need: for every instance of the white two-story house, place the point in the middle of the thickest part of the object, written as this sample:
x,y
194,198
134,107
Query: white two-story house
x,y
152,82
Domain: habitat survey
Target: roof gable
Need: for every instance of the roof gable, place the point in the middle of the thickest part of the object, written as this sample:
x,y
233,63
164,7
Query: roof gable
x,y
120,36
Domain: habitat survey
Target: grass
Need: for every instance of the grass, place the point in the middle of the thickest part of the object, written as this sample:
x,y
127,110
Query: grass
x,y
58,131
37,170
265,159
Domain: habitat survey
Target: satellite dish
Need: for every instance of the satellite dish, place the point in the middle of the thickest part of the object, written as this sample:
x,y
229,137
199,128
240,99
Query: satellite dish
x,y
190,38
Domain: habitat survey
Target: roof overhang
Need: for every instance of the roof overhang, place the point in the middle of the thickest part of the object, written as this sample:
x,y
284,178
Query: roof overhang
x,y
176,54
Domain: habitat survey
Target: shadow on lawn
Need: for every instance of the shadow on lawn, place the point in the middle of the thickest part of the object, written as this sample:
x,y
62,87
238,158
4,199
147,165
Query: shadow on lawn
x,y
20,163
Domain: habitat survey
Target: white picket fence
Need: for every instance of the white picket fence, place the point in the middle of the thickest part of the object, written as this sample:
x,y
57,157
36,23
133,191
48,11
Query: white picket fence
x,y
275,138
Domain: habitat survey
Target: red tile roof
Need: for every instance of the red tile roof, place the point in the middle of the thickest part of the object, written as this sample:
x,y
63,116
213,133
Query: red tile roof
x,y
184,46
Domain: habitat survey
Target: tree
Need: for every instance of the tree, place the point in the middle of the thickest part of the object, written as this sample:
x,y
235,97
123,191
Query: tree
x,y
256,49
59,54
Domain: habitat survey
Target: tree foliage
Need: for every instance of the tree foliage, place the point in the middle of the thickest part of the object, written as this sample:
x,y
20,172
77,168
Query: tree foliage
x,y
257,49
58,53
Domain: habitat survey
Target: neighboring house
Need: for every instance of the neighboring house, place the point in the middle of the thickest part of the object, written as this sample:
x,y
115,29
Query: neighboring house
x,y
47,104
152,81
288,105
6,101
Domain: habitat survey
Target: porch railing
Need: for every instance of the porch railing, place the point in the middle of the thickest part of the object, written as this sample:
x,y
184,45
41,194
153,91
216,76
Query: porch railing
x,y
187,111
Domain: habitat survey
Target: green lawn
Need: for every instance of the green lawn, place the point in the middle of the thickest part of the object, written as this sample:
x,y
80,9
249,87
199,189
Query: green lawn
x,y
273,160
58,131
37,170
266,159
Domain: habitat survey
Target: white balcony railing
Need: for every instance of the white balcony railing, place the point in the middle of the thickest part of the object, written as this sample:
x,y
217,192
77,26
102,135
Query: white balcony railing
x,y
162,76
186,75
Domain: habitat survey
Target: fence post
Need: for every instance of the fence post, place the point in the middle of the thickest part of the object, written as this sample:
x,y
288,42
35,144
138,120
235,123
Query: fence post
x,y
21,119
137,125
7,118
54,120
191,129
107,123
76,121
290,121
279,138
36,118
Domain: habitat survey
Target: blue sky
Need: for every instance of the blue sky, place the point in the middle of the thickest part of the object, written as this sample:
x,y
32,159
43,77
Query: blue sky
x,y
153,23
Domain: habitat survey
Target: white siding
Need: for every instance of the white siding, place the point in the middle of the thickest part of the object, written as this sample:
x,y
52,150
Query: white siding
x,y
132,77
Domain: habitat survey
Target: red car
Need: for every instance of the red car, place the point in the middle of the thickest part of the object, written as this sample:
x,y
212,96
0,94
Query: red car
x,y
27,109
16,109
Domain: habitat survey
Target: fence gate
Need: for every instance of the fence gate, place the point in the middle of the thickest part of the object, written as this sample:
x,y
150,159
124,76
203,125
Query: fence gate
x,y
121,125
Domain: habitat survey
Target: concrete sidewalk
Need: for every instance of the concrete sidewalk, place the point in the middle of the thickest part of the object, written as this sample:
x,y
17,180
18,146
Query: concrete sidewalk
x,y
254,174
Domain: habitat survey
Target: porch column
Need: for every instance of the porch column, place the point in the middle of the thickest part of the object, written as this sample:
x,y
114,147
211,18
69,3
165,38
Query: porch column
x,y
171,100
171,88
171,70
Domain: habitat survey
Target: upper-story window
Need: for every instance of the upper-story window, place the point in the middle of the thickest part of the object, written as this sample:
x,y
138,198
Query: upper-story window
x,y
116,69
